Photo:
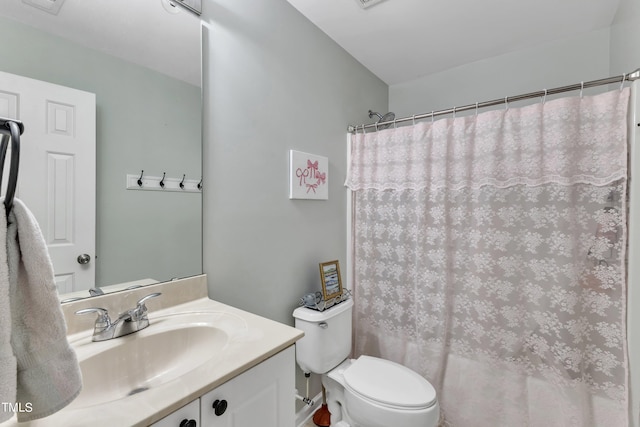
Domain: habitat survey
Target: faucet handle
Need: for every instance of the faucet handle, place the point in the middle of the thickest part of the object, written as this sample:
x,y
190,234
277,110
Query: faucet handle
x,y
141,308
148,297
103,320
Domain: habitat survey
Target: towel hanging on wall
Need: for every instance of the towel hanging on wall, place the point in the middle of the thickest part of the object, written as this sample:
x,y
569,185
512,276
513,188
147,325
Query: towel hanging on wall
x,y
48,373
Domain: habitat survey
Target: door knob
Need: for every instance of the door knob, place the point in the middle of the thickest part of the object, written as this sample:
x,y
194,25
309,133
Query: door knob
x,y
84,259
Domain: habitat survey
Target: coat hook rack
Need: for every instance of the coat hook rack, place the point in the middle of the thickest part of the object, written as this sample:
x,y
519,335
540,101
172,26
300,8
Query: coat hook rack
x,y
163,183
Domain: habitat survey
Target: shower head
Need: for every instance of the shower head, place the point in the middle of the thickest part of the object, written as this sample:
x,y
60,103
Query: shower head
x,y
386,118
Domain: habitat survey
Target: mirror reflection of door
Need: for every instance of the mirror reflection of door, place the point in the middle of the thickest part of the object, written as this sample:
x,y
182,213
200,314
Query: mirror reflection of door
x,y
57,171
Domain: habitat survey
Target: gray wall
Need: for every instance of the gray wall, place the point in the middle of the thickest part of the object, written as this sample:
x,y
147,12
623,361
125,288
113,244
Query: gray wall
x,y
567,61
272,82
139,126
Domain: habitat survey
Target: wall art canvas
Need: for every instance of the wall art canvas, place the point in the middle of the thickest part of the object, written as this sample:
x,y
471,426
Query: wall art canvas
x,y
308,176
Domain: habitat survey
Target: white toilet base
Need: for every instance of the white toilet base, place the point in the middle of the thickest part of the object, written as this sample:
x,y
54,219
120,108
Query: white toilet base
x,y
349,410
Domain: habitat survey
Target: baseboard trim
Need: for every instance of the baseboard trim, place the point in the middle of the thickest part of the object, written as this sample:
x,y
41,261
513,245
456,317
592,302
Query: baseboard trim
x,y
304,414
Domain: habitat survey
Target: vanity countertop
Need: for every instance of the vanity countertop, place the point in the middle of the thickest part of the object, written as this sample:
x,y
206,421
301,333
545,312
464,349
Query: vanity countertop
x,y
256,340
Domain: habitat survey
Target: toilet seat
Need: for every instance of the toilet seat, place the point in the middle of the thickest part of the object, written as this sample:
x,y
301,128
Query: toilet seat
x,y
389,384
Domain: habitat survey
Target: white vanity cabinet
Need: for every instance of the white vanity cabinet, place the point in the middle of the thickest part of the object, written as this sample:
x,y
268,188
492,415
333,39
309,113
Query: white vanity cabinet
x,y
187,416
262,396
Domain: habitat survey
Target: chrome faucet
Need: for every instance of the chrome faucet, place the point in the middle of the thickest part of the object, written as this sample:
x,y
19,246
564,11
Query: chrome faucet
x,y
127,323
94,292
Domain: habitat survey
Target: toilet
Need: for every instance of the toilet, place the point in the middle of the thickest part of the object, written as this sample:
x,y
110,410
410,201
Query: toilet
x,y
363,392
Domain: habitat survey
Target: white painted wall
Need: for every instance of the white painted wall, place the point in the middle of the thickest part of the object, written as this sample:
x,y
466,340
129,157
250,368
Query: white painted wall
x,y
574,59
625,38
625,57
633,292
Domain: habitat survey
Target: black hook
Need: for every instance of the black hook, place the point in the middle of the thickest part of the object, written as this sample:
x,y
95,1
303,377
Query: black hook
x,y
15,129
162,180
4,143
140,179
200,184
182,182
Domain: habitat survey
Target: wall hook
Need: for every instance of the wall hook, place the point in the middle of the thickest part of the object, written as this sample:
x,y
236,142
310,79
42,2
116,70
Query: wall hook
x,y
164,182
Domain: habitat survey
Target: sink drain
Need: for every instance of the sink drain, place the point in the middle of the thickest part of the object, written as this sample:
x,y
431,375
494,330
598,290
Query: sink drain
x,y
137,390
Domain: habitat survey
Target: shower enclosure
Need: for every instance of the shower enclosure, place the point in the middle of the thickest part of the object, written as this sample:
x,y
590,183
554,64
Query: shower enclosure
x,y
491,255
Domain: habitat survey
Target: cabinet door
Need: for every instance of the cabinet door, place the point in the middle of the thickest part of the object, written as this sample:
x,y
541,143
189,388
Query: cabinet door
x,y
182,417
263,396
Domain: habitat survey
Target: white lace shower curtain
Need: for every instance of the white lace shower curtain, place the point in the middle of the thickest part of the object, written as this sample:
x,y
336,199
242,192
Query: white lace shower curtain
x,y
489,256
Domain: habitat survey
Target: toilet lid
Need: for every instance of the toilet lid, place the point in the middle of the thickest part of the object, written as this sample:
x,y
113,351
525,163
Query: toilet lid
x,y
389,383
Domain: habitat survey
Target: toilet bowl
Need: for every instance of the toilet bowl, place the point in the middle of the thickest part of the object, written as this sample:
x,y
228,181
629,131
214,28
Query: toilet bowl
x,y
373,392
363,392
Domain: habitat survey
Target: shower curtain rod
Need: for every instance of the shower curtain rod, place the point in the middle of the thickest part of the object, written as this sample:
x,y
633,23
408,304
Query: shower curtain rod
x,y
635,75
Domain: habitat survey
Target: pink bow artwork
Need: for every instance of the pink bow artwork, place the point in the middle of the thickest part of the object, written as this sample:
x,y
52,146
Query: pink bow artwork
x,y
302,174
313,167
312,187
309,176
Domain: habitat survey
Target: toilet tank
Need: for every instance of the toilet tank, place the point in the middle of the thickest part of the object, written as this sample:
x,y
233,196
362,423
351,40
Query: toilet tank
x,y
327,337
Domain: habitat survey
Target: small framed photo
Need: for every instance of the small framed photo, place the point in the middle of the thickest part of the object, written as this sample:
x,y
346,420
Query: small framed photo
x,y
331,281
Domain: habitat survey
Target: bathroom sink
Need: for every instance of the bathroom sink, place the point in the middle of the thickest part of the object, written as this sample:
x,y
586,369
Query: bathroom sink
x,y
171,346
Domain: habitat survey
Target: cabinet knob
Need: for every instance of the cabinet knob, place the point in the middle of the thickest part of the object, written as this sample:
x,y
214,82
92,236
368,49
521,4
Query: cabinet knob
x,y
188,423
219,406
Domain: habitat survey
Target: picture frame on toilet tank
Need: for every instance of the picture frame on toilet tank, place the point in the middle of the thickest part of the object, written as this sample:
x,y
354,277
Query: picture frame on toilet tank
x,y
308,176
331,281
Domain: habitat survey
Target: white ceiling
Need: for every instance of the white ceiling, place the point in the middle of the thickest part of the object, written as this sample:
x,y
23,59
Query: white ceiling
x,y
401,40
150,33
398,40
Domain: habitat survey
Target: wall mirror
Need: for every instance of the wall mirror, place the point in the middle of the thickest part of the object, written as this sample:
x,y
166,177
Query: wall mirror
x,y
142,61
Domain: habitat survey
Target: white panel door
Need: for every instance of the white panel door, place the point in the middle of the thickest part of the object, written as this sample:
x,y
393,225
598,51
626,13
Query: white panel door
x,y
57,170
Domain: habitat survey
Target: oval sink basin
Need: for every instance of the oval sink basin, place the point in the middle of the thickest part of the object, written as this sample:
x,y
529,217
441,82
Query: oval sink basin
x,y
169,347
